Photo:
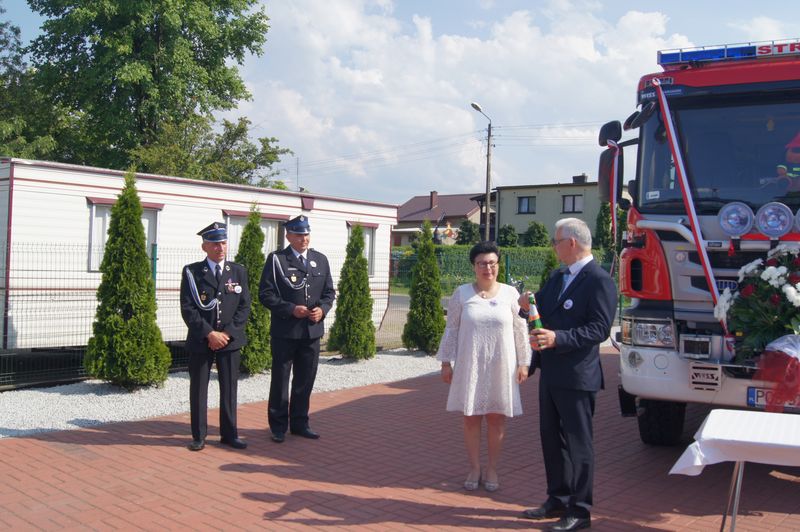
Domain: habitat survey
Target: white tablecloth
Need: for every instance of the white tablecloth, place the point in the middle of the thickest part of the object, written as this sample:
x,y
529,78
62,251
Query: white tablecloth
x,y
742,436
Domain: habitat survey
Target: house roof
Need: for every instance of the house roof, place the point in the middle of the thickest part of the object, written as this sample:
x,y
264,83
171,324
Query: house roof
x,y
419,208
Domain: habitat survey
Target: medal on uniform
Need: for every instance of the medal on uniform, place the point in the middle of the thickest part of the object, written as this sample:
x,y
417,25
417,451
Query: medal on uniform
x,y
567,304
237,289
293,278
203,297
312,263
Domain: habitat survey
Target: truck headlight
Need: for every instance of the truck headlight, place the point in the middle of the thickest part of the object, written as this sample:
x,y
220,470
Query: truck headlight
x,y
655,333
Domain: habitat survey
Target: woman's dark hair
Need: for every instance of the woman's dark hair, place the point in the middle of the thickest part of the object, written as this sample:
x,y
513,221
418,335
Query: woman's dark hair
x,y
483,247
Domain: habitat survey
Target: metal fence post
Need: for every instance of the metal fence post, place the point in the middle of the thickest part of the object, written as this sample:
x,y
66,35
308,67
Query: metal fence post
x,y
508,265
153,260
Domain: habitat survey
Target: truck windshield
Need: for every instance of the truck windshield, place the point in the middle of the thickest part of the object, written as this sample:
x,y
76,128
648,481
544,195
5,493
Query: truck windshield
x,y
734,150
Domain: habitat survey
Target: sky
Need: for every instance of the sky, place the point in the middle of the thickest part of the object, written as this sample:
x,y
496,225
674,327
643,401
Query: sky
x,y
373,96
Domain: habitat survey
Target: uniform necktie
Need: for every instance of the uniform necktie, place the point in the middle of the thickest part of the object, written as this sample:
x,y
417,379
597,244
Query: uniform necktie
x,y
303,261
217,273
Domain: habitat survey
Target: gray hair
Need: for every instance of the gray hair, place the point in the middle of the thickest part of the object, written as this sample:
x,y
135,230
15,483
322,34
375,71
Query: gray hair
x,y
577,229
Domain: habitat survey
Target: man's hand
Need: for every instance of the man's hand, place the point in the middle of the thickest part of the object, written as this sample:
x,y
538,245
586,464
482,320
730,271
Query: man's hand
x,y
544,338
315,315
522,374
447,373
300,312
525,301
217,340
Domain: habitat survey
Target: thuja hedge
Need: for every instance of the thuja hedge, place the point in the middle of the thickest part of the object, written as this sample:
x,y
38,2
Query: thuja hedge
x,y
524,264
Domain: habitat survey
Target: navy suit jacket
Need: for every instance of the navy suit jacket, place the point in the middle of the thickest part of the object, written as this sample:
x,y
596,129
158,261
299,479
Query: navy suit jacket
x,y
234,308
581,318
277,294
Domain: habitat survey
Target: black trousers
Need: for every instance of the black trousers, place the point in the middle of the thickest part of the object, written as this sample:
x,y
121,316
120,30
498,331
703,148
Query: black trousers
x,y
565,428
298,359
199,374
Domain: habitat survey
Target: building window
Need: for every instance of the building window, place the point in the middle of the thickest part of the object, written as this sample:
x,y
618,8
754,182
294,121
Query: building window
x,y
270,228
369,243
526,205
572,203
100,219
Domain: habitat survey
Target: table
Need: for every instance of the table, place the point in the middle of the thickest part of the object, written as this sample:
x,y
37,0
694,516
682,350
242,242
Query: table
x,y
741,436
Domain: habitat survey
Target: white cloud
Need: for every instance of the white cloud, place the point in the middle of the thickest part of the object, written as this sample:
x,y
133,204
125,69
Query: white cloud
x,y
389,98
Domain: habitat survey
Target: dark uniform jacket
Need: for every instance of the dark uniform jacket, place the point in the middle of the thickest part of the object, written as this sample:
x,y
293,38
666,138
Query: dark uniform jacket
x,y
234,307
286,283
581,318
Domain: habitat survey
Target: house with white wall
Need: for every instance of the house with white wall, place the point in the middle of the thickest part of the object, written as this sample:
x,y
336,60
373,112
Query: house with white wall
x,y
53,223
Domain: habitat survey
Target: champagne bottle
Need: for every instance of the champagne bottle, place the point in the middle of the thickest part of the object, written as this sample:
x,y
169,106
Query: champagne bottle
x,y
534,321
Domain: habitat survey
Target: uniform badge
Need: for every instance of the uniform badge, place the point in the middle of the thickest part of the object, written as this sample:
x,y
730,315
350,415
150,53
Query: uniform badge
x,y
567,304
203,297
230,286
227,268
293,278
237,289
312,263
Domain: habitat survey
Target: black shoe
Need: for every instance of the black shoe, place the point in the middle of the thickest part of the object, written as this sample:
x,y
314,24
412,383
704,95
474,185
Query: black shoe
x,y
278,437
549,510
306,433
197,445
572,523
236,443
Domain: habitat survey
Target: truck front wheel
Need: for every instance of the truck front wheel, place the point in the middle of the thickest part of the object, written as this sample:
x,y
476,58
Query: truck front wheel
x,y
660,422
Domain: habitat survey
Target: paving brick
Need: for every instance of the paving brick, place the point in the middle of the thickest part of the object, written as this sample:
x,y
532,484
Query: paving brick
x,y
390,458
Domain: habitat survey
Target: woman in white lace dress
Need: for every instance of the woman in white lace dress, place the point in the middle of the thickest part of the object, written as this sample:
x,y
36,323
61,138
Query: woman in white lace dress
x,y
485,356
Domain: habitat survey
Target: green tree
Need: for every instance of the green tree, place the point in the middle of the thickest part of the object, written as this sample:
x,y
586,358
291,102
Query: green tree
x,y
126,346
193,149
22,107
353,333
550,264
257,354
507,237
536,235
468,233
603,239
425,323
124,68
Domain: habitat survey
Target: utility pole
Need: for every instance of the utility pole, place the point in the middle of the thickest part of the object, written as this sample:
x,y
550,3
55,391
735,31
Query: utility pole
x,y
487,202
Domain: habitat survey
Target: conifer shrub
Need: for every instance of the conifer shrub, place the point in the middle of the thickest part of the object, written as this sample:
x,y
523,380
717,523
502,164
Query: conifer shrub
x,y
536,235
256,356
353,333
425,323
550,264
126,347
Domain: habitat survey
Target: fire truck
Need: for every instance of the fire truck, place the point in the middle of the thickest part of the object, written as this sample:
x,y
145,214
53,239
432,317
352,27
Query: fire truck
x,y
714,189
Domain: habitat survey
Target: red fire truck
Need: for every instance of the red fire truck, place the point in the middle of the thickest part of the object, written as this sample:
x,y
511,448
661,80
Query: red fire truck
x,y
714,189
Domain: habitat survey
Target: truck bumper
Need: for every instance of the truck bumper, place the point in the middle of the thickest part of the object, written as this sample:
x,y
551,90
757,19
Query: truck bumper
x,y
664,375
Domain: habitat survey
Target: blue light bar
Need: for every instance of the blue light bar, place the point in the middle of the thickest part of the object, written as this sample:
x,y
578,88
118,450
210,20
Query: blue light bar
x,y
727,52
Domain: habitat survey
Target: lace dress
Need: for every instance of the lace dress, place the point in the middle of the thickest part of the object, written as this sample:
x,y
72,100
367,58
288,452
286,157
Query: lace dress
x,y
486,340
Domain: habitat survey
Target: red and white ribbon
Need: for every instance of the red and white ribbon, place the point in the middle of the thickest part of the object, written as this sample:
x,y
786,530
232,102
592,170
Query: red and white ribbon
x,y
688,201
613,189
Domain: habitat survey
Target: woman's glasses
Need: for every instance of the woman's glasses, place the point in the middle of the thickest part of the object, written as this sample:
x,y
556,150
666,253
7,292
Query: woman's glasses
x,y
486,264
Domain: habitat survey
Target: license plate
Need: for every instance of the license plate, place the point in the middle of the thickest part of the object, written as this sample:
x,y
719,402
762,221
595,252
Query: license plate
x,y
759,397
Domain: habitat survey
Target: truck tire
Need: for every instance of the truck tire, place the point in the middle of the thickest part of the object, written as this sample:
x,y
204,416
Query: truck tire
x,y
661,422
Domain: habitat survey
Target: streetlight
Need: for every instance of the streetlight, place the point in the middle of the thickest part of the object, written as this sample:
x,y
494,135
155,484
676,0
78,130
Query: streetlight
x,y
488,168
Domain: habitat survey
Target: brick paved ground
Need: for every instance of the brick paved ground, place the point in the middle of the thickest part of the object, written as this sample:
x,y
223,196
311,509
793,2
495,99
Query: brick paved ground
x,y
390,458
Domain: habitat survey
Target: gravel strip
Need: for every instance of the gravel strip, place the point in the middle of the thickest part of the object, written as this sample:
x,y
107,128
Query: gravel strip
x,y
89,403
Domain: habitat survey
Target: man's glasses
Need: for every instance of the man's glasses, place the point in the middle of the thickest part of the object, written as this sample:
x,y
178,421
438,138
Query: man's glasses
x,y
557,241
486,264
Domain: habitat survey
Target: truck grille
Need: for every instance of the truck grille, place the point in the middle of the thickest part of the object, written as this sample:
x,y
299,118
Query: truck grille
x,y
723,261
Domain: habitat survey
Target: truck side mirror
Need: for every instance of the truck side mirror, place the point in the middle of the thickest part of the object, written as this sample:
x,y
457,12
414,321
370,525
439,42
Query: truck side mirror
x,y
604,174
632,192
610,131
644,115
